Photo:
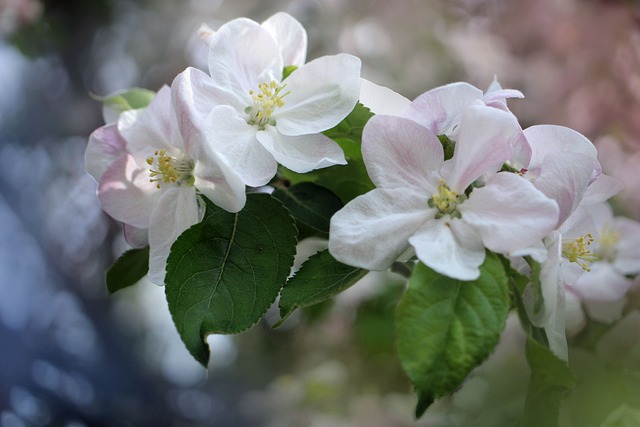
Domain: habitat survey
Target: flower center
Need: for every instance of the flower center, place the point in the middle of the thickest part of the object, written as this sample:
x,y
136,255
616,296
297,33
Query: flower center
x,y
607,243
577,251
446,201
265,101
165,169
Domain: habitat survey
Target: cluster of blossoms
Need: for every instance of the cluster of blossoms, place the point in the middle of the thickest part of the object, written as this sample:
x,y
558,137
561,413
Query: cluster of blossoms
x,y
453,174
213,134
537,193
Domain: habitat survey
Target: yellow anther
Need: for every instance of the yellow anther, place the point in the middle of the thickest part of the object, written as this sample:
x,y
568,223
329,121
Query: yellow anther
x,y
269,97
162,168
577,251
445,200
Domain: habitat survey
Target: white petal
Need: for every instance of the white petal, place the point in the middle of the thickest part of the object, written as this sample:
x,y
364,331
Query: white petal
x,y
400,153
565,178
136,237
217,181
602,189
290,36
155,128
485,141
602,283
627,260
242,55
231,136
450,248
194,95
301,153
322,93
551,139
605,311
372,230
509,213
176,211
105,145
126,193
439,109
382,100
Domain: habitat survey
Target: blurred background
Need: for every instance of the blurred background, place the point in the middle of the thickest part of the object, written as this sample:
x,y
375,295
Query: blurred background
x,y
70,355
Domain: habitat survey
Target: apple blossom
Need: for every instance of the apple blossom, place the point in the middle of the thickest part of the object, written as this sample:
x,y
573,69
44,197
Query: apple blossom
x,y
426,202
256,116
153,181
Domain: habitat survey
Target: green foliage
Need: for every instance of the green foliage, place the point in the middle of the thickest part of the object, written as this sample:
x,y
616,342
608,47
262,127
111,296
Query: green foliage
x,y
225,272
286,71
445,327
128,269
310,204
130,99
550,380
447,145
346,181
319,278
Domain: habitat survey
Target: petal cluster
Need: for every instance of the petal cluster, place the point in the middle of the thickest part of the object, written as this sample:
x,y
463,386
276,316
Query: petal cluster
x,y
447,211
211,134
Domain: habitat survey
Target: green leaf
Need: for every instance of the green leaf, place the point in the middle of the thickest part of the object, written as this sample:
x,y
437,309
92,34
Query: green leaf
x,y
225,272
286,71
129,99
550,380
310,204
350,130
132,266
319,278
446,327
346,181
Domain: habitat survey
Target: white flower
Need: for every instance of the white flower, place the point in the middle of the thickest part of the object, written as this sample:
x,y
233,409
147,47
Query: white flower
x,y
427,202
254,116
153,182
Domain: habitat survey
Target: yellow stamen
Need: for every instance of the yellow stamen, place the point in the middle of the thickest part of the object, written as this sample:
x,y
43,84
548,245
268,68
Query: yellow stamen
x,y
268,98
165,169
445,201
577,251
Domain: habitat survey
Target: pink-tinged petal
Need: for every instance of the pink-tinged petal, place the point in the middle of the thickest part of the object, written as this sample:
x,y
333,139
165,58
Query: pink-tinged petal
x,y
602,189
242,55
136,237
235,140
382,100
439,109
552,315
449,247
565,179
509,213
498,98
373,230
126,193
302,153
321,94
627,257
486,137
555,140
194,95
217,181
155,128
290,36
401,153
205,33
105,145
602,283
176,211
